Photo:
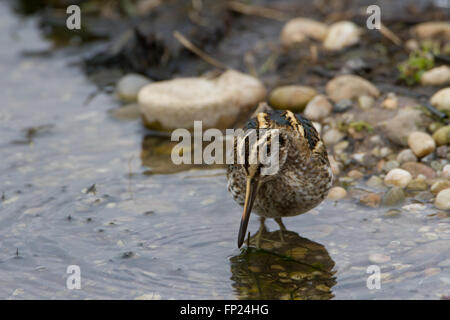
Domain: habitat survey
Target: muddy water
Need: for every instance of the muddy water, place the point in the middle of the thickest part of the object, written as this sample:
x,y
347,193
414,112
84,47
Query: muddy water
x,y
169,236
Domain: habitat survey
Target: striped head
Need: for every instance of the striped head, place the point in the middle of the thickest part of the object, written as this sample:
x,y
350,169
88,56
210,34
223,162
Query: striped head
x,y
298,141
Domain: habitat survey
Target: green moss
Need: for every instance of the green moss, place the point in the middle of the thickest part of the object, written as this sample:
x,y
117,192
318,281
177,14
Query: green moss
x,y
361,125
418,62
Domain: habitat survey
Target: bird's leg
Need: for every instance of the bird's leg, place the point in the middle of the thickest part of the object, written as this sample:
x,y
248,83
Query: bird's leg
x,y
262,227
282,228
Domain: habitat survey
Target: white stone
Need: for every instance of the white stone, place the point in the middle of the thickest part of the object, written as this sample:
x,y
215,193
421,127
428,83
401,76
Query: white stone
x,y
433,30
127,88
442,200
441,99
318,108
366,102
332,137
216,102
397,177
446,171
337,193
436,76
300,29
349,86
341,34
421,143
406,155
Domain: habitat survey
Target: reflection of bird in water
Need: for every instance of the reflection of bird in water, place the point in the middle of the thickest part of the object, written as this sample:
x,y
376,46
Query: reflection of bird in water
x,y
295,268
303,178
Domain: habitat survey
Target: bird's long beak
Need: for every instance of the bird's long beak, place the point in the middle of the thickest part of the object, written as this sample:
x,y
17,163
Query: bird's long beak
x,y
250,195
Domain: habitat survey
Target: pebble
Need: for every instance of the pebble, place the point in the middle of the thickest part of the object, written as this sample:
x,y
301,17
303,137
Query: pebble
x,y
418,184
372,200
441,99
341,146
366,102
421,143
318,108
342,105
436,77
375,182
332,137
398,128
390,165
432,30
442,136
337,193
443,152
446,172
439,185
390,102
385,151
291,97
379,258
406,155
218,102
348,87
355,174
300,29
393,196
442,200
128,86
416,168
397,177
341,34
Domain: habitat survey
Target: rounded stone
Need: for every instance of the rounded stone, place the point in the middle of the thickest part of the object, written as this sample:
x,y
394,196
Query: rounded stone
x,y
341,34
318,108
439,185
436,77
372,200
291,97
366,102
332,137
407,120
442,200
375,182
432,30
218,102
393,196
127,88
355,174
406,155
348,87
337,193
446,172
442,136
441,99
300,29
417,185
421,143
416,168
397,177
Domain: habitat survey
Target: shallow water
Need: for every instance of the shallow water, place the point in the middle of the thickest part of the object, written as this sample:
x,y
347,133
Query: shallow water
x,y
168,236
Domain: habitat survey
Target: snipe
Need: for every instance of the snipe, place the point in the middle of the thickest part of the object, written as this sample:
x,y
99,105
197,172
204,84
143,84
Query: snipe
x,y
301,182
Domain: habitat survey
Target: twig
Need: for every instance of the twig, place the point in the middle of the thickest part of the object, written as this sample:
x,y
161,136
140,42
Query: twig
x,y
190,46
257,11
390,35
